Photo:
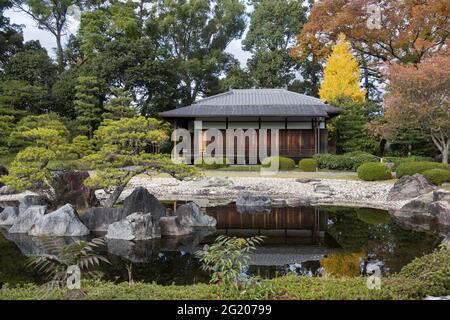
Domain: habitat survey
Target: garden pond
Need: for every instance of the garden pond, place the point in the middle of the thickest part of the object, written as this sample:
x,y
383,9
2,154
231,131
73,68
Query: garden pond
x,y
306,240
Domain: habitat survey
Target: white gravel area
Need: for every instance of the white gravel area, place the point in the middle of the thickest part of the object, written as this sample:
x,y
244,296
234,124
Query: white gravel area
x,y
287,190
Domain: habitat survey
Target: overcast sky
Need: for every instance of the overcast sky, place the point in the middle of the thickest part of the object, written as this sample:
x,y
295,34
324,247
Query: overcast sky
x,y
31,32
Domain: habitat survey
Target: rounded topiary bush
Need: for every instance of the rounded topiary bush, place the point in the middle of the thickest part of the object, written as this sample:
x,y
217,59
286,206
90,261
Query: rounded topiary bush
x,y
283,163
437,176
308,165
411,168
372,171
211,163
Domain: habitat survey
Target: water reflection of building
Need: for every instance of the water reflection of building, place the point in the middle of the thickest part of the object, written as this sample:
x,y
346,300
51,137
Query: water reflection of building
x,y
308,223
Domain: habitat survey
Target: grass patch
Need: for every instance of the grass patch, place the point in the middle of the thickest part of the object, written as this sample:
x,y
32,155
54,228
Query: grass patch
x,y
428,275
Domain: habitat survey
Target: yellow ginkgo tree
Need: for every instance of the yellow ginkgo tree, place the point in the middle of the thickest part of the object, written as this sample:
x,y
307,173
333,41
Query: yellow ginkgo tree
x,y
341,75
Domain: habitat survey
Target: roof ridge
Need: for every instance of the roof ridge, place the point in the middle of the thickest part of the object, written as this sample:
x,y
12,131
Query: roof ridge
x,y
214,96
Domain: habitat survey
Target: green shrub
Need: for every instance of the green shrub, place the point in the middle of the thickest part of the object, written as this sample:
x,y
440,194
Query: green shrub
x,y
283,163
437,176
211,163
347,161
429,273
308,165
399,160
371,171
411,168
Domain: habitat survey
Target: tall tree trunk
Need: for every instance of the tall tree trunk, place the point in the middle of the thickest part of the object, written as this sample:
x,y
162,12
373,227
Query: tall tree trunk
x,y
59,51
445,153
443,144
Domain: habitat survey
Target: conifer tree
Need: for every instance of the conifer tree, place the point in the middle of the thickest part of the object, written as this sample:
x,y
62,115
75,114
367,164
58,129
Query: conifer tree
x,y
341,75
87,105
119,106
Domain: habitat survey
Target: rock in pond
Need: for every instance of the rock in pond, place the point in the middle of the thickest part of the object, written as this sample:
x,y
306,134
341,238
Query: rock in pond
x,y
8,216
28,218
140,200
408,187
61,222
424,213
98,219
136,226
70,188
171,226
190,214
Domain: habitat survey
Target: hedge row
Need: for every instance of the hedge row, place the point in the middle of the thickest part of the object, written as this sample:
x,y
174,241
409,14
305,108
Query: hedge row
x,y
437,176
411,168
396,161
347,161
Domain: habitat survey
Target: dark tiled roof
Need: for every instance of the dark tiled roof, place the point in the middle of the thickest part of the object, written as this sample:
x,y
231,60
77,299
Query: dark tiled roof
x,y
255,102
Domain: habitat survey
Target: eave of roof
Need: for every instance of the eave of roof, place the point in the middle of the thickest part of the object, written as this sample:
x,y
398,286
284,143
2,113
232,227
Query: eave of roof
x,y
255,102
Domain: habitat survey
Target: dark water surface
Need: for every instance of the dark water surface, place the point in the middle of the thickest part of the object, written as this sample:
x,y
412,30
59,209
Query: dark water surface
x,y
296,240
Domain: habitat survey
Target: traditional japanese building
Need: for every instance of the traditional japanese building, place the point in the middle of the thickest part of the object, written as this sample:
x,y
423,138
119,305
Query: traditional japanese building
x,y
301,120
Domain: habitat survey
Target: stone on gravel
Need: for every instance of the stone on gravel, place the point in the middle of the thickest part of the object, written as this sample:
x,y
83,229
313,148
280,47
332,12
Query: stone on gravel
x,y
8,216
408,187
98,219
306,180
61,222
323,189
209,182
190,214
253,204
171,226
136,226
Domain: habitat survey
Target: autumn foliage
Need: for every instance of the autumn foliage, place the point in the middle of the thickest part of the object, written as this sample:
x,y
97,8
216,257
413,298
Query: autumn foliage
x,y
418,98
409,31
341,75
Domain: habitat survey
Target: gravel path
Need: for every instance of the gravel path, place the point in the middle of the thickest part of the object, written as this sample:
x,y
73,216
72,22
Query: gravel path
x,y
285,191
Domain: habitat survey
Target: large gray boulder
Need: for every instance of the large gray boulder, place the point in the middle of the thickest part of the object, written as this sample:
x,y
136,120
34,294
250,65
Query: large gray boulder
x,y
408,187
171,226
140,200
28,218
423,213
190,214
253,204
136,226
31,200
98,219
8,216
61,222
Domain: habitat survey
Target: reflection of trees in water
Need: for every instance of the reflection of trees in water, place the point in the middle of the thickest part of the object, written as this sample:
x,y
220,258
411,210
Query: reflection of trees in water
x,y
12,265
383,239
